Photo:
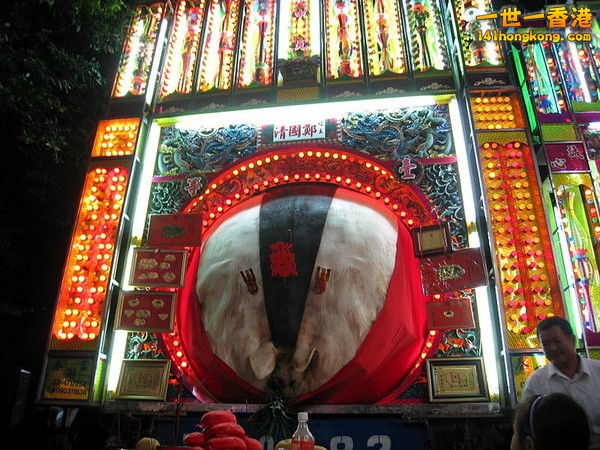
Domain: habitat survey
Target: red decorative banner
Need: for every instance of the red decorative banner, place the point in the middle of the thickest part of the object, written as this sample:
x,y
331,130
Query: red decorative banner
x,y
146,311
174,230
450,314
448,272
567,157
153,267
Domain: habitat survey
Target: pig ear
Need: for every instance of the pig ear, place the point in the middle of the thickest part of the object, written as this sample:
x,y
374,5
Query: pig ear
x,y
263,360
303,359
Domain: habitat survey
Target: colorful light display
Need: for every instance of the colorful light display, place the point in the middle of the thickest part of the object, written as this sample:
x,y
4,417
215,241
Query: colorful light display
x,y
309,165
414,162
528,277
544,78
182,53
426,35
581,80
85,282
579,219
116,137
136,60
343,39
385,42
595,42
299,35
496,112
256,44
477,54
218,49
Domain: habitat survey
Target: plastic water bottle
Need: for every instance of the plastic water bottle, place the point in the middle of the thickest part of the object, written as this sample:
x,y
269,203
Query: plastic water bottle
x,y
302,439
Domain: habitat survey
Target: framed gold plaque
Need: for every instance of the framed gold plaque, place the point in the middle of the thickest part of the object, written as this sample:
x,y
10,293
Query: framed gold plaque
x,y
456,380
431,239
143,379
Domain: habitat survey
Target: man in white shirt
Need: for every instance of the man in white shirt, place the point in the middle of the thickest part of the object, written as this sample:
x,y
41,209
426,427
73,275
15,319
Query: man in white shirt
x,y
567,373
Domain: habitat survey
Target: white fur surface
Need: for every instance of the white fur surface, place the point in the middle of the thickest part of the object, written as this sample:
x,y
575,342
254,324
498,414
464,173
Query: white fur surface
x,y
359,246
235,321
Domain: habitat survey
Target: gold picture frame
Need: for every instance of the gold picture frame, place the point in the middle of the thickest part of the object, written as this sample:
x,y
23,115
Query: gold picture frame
x,y
143,379
456,380
432,239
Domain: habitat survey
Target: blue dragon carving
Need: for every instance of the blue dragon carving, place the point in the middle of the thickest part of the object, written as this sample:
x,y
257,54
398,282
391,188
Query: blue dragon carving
x,y
419,132
203,150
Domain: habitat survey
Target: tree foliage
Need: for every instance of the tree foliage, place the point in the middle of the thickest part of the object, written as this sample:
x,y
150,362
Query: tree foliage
x,y
58,62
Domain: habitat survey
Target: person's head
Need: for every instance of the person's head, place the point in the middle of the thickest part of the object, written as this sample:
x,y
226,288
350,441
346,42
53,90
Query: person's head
x,y
557,339
550,422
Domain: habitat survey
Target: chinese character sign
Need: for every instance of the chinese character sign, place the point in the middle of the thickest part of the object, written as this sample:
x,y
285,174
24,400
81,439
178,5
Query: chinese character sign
x,y
566,157
285,132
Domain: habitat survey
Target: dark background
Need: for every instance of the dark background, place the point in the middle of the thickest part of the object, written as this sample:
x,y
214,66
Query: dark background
x,y
57,62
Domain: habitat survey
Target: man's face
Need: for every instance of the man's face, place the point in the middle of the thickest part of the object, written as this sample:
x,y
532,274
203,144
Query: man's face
x,y
558,347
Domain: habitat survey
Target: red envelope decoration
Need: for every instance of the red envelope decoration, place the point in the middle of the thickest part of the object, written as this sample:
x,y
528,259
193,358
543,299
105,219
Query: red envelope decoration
x,y
448,272
450,314
174,230
146,311
155,267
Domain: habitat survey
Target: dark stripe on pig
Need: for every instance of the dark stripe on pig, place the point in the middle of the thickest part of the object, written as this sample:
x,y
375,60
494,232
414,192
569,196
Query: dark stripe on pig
x,y
301,209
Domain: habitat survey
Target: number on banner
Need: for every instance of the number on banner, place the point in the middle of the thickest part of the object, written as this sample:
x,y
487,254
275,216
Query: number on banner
x,y
380,439
346,442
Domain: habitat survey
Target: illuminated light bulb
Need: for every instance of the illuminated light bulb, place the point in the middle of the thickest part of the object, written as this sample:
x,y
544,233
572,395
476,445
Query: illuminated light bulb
x,y
301,155
179,354
184,364
92,335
